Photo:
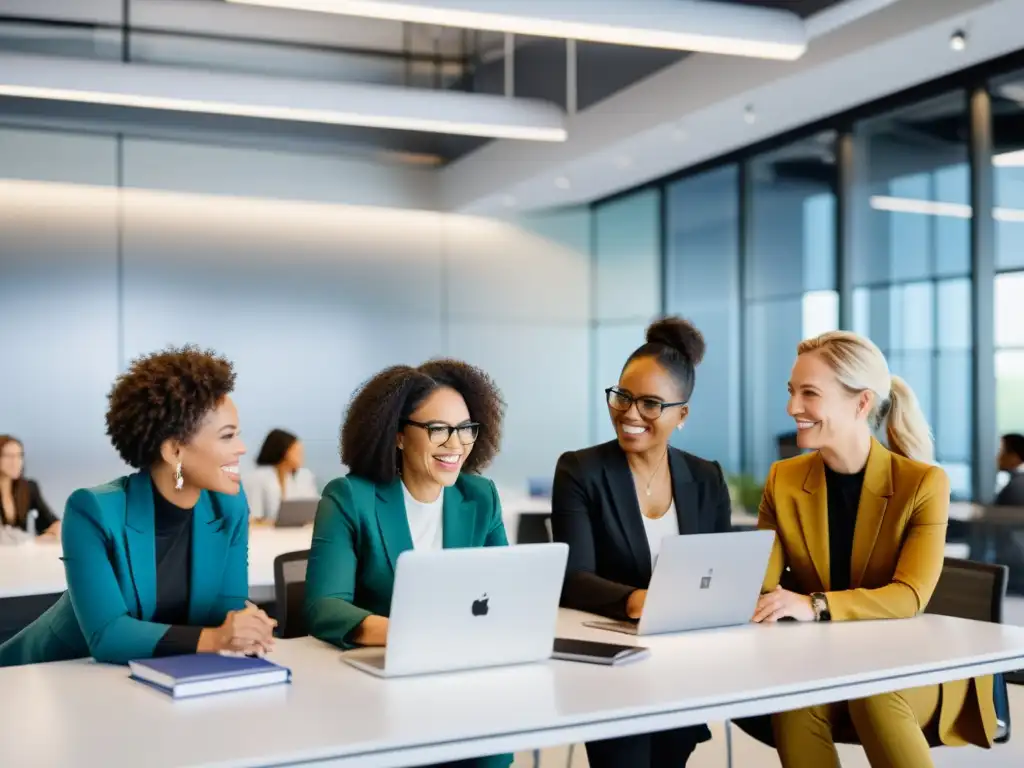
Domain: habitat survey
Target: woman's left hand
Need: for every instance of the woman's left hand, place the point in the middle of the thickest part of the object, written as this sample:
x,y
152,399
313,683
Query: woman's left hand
x,y
781,603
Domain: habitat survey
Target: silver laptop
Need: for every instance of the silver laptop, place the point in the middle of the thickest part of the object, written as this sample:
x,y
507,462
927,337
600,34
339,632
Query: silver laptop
x,y
458,609
295,513
702,581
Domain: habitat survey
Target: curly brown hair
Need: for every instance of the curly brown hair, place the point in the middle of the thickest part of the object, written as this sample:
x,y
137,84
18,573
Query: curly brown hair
x,y
164,395
378,408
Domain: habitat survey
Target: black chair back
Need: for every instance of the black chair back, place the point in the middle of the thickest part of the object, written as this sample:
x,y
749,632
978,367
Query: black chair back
x,y
290,593
970,590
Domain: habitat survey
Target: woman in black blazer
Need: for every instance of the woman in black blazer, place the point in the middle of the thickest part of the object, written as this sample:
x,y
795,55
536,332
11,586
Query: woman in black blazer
x,y
614,503
19,495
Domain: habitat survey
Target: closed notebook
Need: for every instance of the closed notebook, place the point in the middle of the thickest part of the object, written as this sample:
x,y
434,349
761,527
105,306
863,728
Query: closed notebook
x,y
202,673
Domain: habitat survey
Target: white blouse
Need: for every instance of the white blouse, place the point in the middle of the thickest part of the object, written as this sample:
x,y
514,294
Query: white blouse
x,y
658,530
263,491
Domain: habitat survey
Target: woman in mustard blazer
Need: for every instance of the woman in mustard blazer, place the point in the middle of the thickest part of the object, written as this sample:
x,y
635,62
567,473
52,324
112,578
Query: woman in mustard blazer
x,y
862,530
413,440
156,561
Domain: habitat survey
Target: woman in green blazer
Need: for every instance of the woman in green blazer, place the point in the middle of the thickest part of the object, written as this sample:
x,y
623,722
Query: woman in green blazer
x,y
156,562
413,440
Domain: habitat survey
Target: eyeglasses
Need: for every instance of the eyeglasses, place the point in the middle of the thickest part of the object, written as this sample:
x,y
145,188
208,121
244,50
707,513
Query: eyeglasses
x,y
648,407
439,434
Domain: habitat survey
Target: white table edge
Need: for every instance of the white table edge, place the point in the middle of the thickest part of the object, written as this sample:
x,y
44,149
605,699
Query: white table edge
x,y
626,725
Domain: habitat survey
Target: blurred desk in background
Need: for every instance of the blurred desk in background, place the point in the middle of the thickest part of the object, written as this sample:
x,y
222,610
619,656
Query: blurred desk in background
x,y
32,574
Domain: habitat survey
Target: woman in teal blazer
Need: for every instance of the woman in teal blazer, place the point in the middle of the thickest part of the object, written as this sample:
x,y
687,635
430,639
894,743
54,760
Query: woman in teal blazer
x,y
156,562
413,440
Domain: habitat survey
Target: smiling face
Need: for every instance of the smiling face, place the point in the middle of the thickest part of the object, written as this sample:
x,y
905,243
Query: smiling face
x,y
209,460
639,429
827,414
425,462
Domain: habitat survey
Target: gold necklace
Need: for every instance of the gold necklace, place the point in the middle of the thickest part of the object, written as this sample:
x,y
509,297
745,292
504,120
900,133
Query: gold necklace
x,y
650,480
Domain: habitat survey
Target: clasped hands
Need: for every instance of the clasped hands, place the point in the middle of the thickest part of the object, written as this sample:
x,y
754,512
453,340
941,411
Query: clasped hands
x,y
249,631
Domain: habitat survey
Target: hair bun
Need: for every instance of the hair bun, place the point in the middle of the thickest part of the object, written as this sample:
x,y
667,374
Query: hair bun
x,y
679,334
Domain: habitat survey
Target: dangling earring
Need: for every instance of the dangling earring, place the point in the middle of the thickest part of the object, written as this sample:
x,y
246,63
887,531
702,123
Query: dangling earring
x,y
179,481
680,427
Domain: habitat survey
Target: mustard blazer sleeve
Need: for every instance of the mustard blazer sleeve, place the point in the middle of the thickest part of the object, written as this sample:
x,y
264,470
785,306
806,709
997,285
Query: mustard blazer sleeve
x,y
766,520
899,542
917,567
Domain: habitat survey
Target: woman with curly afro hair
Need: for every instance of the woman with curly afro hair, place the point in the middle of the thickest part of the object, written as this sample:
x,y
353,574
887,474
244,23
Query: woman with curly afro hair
x,y
156,562
414,440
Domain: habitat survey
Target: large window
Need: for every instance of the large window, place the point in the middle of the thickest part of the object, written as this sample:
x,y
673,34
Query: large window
x,y
875,219
789,286
702,284
627,290
1008,182
912,264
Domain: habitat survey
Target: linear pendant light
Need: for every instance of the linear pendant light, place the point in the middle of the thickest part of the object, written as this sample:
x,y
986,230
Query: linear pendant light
x,y
685,25
187,90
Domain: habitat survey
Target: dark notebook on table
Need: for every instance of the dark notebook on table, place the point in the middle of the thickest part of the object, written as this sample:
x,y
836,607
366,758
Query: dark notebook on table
x,y
199,674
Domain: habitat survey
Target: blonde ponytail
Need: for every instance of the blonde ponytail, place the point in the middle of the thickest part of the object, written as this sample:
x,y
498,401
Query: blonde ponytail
x,y
860,366
905,424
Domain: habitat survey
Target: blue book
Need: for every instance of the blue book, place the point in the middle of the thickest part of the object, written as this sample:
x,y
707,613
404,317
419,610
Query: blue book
x,y
198,674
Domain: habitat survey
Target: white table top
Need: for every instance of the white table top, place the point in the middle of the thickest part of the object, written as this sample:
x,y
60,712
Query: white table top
x,y
35,568
336,715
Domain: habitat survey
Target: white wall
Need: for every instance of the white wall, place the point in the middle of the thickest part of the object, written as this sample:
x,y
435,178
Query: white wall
x,y
263,257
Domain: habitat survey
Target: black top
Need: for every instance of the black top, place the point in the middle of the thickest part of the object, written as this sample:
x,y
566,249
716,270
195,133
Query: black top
x,y
843,500
35,501
594,509
173,531
1012,494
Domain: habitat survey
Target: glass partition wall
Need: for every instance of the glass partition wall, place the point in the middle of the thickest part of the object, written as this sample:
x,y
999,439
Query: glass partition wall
x,y
902,220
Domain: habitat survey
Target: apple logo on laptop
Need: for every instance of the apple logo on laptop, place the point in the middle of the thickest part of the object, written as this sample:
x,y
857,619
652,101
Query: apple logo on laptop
x,y
705,581
479,607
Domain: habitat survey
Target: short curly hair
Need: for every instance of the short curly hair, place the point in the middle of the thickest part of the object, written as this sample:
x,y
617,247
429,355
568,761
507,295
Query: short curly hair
x,y
162,396
376,411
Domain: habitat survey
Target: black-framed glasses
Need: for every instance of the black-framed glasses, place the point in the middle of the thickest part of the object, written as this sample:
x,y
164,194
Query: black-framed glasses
x,y
439,433
649,408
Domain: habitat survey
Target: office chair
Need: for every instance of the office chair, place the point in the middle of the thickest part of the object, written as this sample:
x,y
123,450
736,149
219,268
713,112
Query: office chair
x,y
290,593
970,590
966,590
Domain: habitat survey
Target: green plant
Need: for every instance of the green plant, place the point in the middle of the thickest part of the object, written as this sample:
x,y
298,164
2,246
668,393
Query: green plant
x,y
746,492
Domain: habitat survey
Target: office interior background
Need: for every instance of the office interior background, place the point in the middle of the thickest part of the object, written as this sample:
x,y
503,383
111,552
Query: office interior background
x,y
885,199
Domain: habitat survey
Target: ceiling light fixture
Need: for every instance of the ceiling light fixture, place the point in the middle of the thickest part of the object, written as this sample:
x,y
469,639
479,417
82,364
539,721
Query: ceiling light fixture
x,y
749,115
958,40
623,161
562,182
1014,159
684,25
372,106
938,208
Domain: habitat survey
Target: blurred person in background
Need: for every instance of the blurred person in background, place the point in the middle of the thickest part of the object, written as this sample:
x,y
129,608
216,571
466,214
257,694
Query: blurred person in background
x,y
20,496
279,476
156,562
615,503
1011,461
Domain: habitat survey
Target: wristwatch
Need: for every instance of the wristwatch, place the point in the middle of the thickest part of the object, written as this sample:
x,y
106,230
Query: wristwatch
x,y
820,605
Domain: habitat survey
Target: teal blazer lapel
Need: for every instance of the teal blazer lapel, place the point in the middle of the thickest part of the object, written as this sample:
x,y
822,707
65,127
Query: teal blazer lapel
x,y
141,542
458,520
209,553
392,521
